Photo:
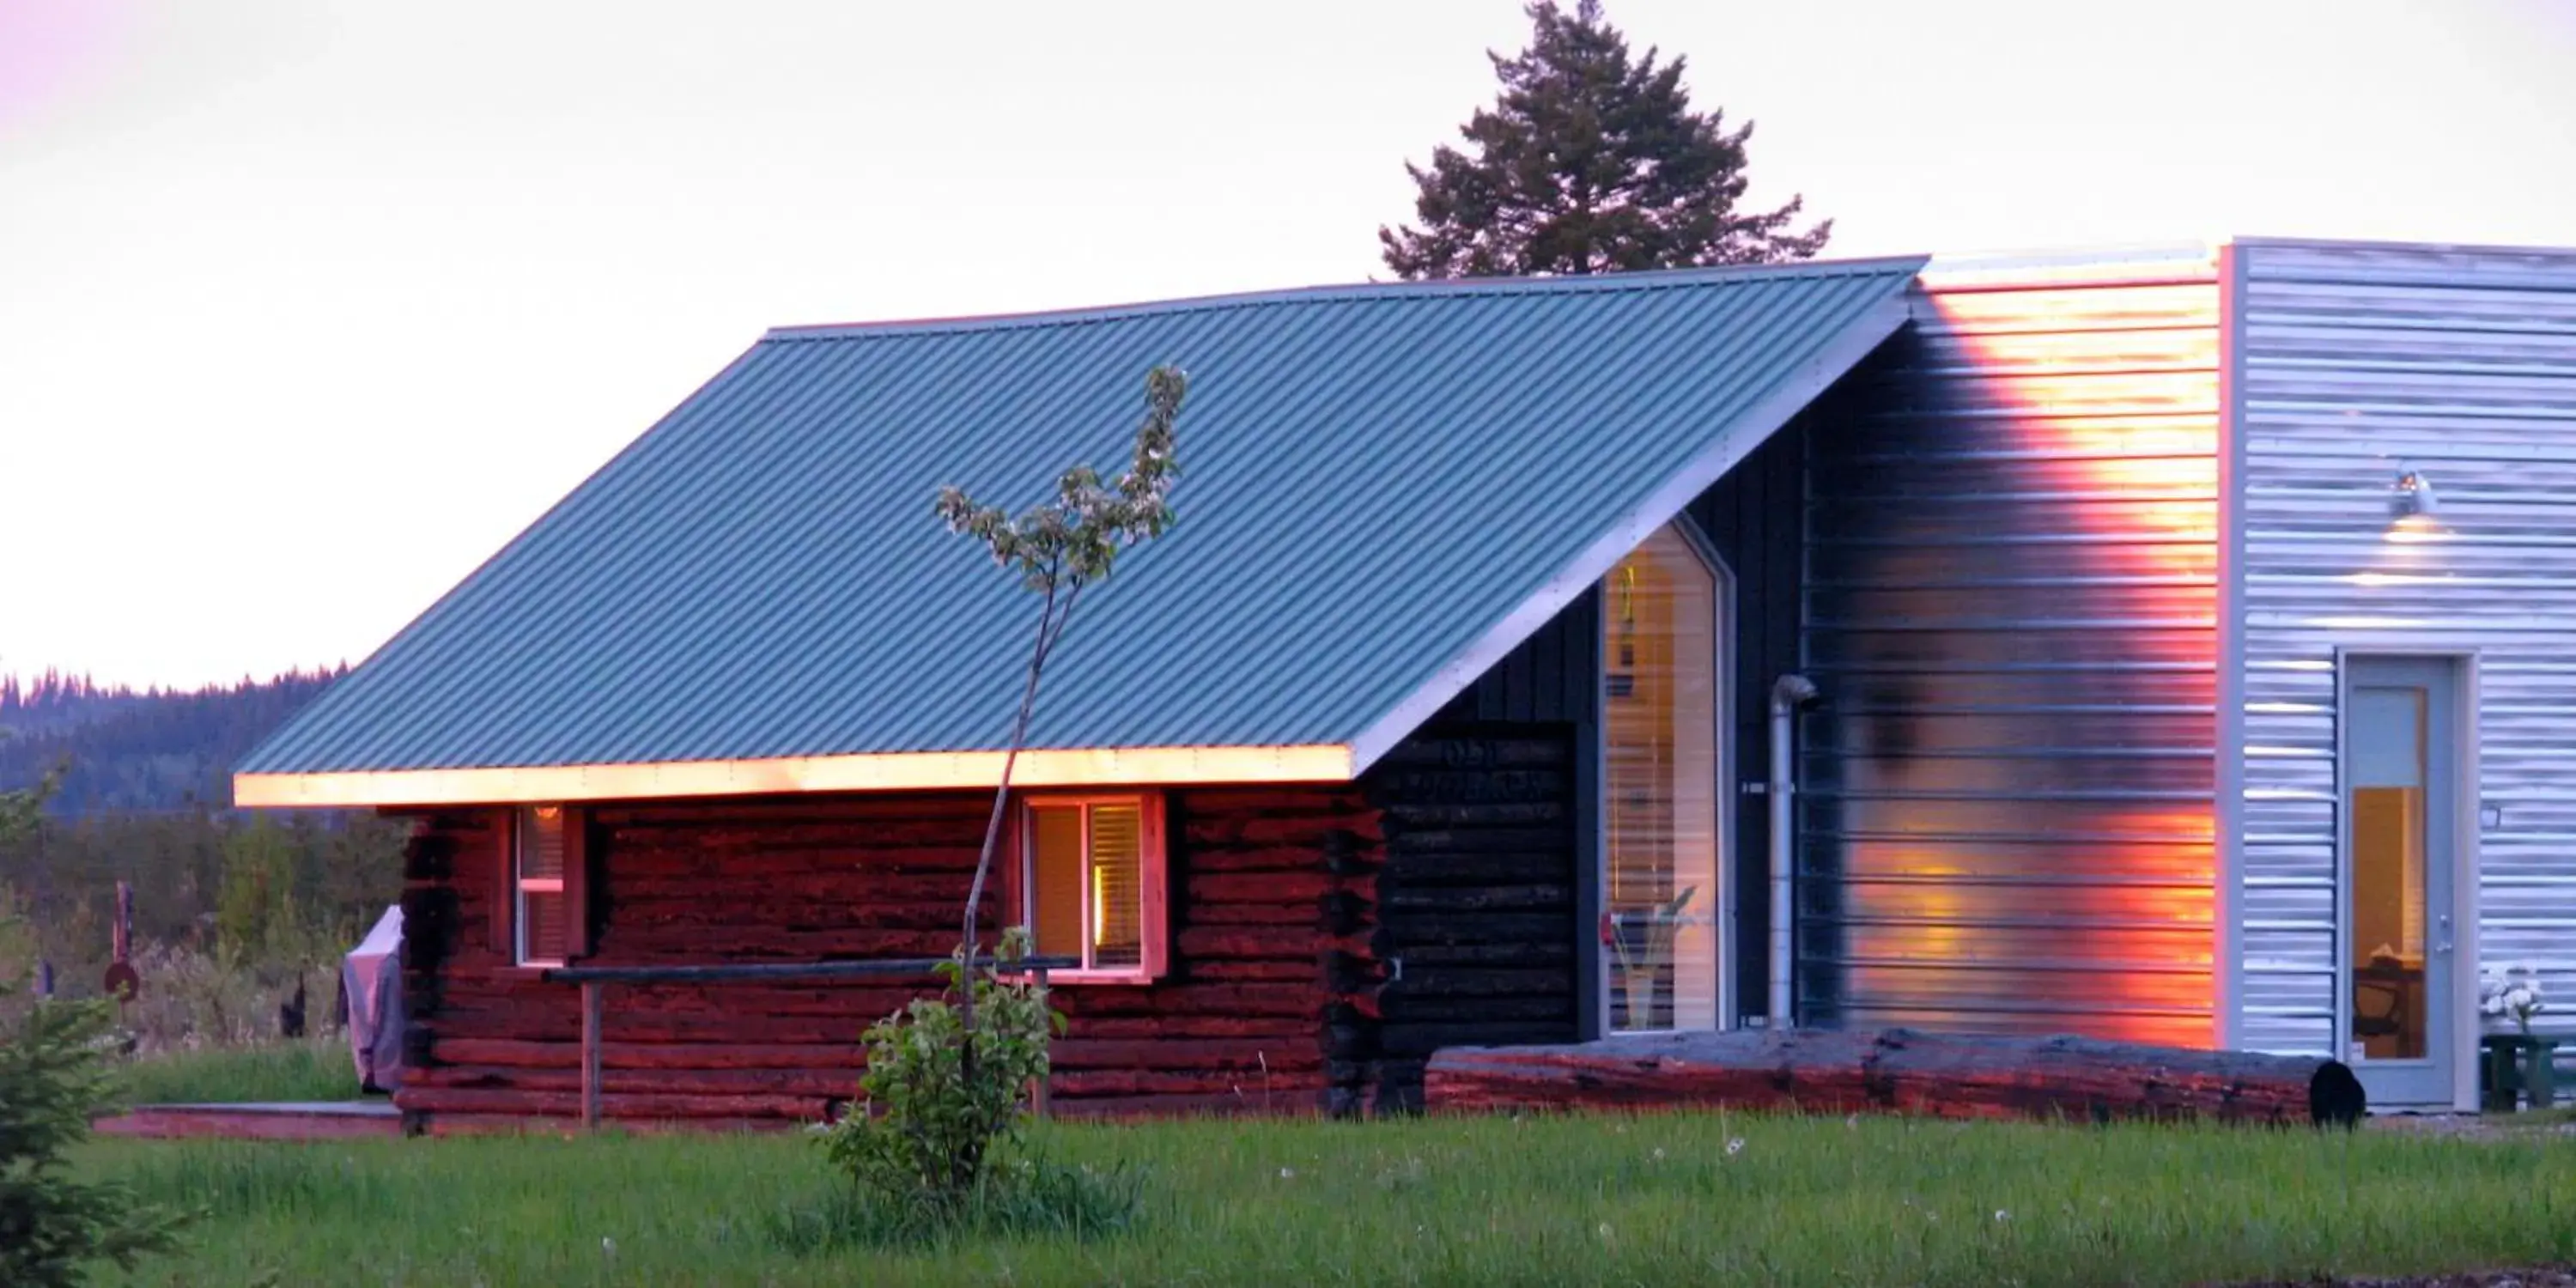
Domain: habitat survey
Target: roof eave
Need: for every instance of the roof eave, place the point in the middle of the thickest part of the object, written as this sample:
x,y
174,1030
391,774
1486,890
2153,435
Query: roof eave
x,y
904,771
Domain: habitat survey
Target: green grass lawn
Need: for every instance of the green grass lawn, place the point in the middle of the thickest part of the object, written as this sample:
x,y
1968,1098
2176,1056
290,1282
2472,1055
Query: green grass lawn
x,y
1658,1200
318,1069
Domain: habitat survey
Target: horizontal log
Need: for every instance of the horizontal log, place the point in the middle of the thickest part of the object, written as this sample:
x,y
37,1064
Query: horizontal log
x,y
919,968
567,1104
819,1084
1274,1101
1301,970
630,1054
1184,1082
1303,831
1901,1071
1193,1026
1300,887
1215,802
1280,1000
495,1124
1253,914
1073,1054
1296,943
1255,858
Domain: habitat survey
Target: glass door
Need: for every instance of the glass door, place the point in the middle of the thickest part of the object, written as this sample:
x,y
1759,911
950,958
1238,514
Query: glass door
x,y
1661,648
2399,797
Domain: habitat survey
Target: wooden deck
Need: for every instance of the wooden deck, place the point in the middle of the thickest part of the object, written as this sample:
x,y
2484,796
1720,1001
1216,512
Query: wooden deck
x,y
323,1120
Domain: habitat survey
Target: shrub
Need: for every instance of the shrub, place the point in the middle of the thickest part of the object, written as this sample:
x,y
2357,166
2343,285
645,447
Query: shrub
x,y
53,1077
939,1097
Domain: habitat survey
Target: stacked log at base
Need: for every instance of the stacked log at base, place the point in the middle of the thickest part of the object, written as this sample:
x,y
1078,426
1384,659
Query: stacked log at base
x,y
1899,1071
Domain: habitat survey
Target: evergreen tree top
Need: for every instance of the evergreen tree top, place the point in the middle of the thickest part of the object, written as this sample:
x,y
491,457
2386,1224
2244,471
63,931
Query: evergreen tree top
x,y
1590,161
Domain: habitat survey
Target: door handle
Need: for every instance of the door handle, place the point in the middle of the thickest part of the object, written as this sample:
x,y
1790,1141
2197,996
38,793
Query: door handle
x,y
2443,945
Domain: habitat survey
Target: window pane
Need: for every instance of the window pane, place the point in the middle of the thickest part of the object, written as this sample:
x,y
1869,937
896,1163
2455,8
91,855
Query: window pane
x,y
1659,752
1055,879
1117,885
541,841
543,919
2385,768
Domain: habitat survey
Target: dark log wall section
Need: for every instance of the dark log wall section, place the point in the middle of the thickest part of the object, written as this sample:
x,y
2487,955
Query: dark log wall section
x,y
1325,940
1271,886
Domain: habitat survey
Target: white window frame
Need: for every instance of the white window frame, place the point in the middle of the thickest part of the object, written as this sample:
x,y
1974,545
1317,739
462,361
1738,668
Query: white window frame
x,y
1152,876
522,833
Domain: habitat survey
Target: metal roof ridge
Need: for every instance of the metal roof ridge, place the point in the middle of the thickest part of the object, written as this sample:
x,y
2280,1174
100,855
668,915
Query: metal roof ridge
x,y
1349,292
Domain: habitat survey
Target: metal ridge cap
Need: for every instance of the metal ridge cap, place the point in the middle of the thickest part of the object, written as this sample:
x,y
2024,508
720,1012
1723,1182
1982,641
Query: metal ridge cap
x,y
1361,292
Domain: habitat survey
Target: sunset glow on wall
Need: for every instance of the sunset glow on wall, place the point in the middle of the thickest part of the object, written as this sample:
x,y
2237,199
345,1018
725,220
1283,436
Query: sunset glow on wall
x,y
2015,623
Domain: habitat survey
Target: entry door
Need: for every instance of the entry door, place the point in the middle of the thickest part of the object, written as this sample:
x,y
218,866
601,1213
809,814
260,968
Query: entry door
x,y
2400,796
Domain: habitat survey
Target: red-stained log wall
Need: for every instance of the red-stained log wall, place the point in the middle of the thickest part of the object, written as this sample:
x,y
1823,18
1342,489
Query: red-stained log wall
x,y
1272,898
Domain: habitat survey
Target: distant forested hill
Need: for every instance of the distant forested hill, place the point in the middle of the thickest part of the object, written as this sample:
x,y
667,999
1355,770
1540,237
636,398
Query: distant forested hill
x,y
140,751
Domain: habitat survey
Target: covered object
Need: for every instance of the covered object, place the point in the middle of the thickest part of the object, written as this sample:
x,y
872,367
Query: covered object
x,y
371,976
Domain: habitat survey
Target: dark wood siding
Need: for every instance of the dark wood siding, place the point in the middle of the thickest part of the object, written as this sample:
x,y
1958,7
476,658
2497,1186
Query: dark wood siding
x,y
1755,517
1264,886
1477,920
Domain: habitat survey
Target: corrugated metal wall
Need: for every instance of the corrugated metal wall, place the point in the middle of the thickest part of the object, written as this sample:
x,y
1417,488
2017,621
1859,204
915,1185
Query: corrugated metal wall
x,y
2011,545
2462,363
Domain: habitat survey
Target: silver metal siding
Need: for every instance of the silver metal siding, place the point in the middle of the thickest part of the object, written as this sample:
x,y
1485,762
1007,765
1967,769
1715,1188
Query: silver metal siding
x,y
2011,611
2461,362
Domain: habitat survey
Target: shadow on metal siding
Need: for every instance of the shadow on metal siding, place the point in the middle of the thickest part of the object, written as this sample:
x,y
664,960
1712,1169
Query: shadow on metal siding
x,y
2011,610
2462,363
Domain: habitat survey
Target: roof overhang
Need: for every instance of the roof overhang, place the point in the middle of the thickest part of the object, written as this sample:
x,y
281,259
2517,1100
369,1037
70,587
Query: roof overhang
x,y
906,771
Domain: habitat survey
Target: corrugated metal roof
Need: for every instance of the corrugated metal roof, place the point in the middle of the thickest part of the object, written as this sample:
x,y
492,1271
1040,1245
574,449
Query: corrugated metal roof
x,y
1376,479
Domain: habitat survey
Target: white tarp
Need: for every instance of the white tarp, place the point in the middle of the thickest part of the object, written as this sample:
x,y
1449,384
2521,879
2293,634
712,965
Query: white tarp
x,y
372,976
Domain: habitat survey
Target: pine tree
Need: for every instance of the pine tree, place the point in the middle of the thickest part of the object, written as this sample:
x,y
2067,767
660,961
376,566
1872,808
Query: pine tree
x,y
1590,161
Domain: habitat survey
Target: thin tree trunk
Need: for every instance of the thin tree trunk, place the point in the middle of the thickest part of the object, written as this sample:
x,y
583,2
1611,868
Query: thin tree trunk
x,y
1051,624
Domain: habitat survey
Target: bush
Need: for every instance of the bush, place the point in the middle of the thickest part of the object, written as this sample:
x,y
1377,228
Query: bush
x,y
941,1094
53,1077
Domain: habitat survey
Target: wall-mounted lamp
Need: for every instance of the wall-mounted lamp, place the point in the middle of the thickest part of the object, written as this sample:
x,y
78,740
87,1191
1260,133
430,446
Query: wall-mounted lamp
x,y
2413,493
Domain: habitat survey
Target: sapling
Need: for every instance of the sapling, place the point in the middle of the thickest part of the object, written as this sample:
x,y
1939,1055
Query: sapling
x,y
943,1081
1059,548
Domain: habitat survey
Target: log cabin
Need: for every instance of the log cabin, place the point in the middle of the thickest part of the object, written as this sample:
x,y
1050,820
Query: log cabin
x,y
2160,646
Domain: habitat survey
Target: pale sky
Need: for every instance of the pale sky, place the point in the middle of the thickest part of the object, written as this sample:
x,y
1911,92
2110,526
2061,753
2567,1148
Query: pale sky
x,y
307,306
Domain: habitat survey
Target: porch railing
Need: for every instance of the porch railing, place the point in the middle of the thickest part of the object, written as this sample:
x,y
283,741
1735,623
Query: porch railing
x,y
594,982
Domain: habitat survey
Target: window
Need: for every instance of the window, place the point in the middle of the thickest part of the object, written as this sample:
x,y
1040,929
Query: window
x,y
1091,882
544,873
1660,763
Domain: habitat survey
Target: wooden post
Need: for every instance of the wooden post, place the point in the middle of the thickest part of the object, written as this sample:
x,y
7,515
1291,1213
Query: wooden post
x,y
590,1054
1038,1089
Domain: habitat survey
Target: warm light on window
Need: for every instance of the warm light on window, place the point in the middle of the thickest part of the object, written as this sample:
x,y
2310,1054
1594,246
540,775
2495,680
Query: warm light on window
x,y
1090,876
542,928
